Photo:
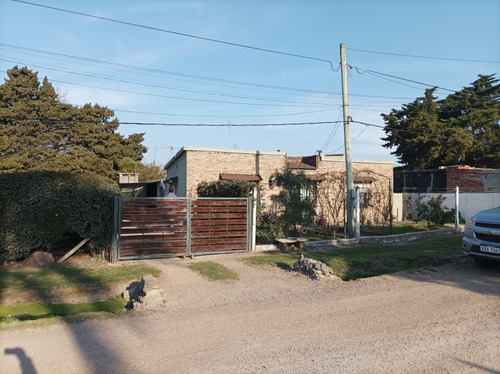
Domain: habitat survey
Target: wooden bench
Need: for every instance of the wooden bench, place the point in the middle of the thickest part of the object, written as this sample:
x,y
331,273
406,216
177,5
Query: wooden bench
x,y
290,243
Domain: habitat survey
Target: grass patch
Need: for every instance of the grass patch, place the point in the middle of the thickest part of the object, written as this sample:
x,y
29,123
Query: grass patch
x,y
22,311
70,279
362,261
65,280
214,271
398,228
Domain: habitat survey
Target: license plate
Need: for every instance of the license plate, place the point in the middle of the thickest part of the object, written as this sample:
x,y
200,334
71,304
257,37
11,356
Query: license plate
x,y
489,249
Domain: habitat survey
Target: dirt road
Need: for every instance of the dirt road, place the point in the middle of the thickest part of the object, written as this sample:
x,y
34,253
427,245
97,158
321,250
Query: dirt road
x,y
439,320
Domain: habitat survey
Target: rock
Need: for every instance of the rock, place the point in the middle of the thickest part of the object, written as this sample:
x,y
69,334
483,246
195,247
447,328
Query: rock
x,y
315,269
144,295
39,259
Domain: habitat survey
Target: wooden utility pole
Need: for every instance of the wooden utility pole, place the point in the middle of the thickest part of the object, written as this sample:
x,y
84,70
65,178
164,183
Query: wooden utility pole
x,y
347,145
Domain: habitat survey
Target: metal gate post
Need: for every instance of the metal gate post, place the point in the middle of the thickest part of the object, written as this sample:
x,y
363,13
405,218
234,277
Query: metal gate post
x,y
116,229
251,221
188,226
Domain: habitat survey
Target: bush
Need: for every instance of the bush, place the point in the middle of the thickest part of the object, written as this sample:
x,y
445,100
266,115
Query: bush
x,y
433,212
225,188
269,228
42,209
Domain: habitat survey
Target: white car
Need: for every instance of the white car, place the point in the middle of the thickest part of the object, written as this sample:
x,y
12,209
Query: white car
x,y
482,238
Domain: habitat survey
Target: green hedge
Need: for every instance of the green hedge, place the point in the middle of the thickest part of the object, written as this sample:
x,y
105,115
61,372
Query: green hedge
x,y
40,209
225,188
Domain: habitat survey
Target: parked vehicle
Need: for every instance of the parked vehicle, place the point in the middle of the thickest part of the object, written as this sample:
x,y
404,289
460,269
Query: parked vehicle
x,y
482,238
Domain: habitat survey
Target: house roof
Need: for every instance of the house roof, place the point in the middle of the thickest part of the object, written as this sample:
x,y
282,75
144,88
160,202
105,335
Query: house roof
x,y
219,150
303,163
241,177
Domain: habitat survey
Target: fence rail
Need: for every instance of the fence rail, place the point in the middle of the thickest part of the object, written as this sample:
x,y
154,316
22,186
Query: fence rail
x,y
161,227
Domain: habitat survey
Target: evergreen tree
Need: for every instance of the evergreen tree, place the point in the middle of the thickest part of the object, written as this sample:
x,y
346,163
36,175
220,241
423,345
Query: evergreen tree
x,y
40,132
462,129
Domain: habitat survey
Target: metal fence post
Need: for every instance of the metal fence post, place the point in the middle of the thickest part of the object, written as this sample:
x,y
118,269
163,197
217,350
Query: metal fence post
x,y
116,229
457,211
358,229
189,201
252,202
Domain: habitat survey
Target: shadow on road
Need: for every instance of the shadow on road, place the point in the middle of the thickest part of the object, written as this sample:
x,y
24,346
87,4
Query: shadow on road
x,y
24,361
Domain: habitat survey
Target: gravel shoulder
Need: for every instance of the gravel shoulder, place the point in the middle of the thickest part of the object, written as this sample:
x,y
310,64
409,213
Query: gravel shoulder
x,y
444,319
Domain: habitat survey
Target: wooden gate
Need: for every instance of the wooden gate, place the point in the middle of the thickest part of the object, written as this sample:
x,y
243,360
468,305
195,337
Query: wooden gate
x,y
161,227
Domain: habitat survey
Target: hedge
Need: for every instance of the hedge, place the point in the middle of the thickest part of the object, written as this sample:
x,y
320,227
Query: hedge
x,y
39,210
225,188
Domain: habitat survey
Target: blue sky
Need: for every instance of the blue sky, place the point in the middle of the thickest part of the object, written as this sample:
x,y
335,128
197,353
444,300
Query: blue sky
x,y
154,76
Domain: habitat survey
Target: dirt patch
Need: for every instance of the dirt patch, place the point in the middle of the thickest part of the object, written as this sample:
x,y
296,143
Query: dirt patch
x,y
440,319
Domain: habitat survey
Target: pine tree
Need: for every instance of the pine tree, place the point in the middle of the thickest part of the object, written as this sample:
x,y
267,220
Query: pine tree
x,y
40,132
462,129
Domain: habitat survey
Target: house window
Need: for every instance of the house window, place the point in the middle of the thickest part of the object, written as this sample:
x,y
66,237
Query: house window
x,y
364,194
309,191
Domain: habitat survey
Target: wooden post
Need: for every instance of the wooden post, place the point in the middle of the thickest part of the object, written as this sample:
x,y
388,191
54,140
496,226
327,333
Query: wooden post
x,y
67,255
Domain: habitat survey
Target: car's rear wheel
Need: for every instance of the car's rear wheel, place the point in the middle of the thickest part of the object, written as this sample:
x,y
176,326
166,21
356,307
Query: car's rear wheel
x,y
484,263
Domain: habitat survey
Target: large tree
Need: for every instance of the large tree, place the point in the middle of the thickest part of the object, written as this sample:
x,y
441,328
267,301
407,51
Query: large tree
x,y
462,129
38,131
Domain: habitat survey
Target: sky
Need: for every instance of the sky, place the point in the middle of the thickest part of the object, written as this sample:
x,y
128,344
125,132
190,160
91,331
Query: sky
x,y
263,74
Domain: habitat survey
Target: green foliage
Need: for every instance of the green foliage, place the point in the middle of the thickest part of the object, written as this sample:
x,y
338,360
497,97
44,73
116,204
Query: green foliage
x,y
22,311
433,211
40,132
294,199
213,271
147,171
462,129
269,228
362,261
69,279
41,209
65,280
225,188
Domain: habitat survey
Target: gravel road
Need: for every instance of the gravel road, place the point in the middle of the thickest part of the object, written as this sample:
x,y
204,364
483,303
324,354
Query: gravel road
x,y
440,320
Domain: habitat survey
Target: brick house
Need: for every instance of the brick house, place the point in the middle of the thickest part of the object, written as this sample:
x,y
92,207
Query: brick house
x,y
446,178
192,165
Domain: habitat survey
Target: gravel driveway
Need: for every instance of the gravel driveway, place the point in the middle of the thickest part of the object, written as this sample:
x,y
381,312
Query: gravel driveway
x,y
444,319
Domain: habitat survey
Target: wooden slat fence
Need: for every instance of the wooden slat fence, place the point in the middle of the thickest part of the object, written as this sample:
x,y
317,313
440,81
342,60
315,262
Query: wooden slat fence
x,y
160,227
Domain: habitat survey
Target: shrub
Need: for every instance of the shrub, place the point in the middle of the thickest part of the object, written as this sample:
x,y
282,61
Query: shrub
x,y
225,188
269,228
42,209
433,211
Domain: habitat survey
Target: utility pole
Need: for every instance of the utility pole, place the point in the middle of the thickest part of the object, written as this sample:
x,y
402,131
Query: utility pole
x,y
347,144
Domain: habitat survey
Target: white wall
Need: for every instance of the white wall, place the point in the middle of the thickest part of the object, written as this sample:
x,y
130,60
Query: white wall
x,y
468,204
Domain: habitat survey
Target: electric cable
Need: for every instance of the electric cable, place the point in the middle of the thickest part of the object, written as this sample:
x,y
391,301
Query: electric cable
x,y
376,73
170,73
181,33
424,57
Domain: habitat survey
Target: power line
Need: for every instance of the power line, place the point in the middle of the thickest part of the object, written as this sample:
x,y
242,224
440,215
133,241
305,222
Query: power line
x,y
162,72
424,57
376,73
413,132
19,118
173,88
221,116
181,34
198,77
303,104
332,134
69,120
